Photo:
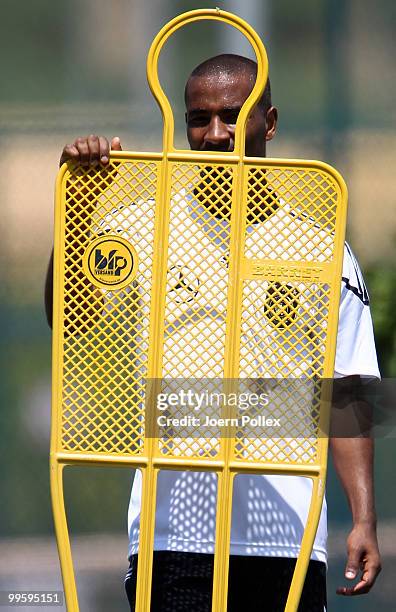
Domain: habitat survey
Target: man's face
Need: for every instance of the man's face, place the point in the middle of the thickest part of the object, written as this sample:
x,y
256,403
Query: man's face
x,y
213,105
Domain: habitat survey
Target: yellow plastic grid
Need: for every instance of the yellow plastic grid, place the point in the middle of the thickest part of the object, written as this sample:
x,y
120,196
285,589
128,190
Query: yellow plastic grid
x,y
237,266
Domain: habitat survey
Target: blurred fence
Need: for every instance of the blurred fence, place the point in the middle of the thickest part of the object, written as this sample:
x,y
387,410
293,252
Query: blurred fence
x,y
81,70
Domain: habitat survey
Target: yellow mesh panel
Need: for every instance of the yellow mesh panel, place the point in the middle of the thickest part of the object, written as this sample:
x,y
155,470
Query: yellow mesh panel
x,y
311,199
290,217
196,298
106,332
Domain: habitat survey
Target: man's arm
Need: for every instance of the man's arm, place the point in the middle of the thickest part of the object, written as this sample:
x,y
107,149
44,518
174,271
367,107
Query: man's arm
x,y
49,289
351,422
87,151
353,460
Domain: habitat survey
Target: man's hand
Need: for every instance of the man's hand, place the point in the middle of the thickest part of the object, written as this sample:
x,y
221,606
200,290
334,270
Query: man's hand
x,y
90,150
364,557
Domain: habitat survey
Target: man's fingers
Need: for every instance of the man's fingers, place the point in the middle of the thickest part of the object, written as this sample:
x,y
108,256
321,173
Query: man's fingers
x,y
94,149
364,585
353,563
360,588
70,152
83,149
368,578
351,569
116,144
90,150
104,150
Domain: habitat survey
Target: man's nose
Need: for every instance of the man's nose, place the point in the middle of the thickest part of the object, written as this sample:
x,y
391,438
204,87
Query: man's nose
x,y
217,135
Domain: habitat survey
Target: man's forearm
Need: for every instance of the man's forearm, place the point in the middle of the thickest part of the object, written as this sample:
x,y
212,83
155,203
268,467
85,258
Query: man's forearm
x,y
353,460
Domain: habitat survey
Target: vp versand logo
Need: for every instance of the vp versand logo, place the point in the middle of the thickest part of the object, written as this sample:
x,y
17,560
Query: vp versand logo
x,y
110,261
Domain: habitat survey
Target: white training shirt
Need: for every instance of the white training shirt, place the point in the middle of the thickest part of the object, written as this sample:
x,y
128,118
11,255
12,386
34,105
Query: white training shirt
x,y
269,512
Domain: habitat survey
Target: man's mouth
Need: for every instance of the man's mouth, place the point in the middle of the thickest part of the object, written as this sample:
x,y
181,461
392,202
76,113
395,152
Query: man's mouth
x,y
219,148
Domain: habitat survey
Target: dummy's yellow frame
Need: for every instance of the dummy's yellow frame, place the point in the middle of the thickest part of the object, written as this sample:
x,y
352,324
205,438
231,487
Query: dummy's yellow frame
x,y
223,465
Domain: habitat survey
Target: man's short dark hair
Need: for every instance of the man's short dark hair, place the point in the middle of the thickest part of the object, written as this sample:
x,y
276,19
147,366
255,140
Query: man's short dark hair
x,y
232,64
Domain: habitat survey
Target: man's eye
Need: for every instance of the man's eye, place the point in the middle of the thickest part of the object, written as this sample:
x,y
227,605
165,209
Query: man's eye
x,y
230,117
197,121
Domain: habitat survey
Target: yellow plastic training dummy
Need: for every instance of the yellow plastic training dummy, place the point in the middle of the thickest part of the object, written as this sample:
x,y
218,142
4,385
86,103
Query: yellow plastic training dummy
x,y
207,272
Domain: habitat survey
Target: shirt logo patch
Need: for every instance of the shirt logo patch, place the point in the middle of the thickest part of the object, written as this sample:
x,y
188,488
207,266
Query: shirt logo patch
x,y
183,285
281,305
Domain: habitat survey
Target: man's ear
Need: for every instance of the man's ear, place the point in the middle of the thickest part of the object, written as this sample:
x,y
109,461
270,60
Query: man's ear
x,y
271,120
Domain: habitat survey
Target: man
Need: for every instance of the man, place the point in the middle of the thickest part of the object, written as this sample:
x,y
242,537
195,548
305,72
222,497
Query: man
x,y
269,511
